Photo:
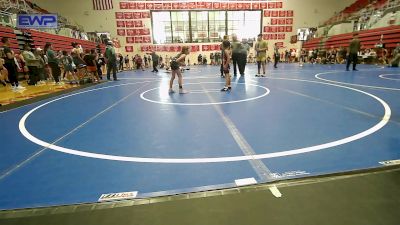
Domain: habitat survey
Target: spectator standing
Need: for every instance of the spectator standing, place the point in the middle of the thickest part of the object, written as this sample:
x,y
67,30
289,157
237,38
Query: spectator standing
x,y
111,60
9,64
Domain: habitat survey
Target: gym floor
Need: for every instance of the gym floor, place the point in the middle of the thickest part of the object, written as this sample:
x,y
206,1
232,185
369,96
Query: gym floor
x,y
131,135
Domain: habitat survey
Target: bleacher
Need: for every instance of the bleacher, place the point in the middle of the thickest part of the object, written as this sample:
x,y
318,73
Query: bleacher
x,y
9,32
368,38
59,42
41,38
314,43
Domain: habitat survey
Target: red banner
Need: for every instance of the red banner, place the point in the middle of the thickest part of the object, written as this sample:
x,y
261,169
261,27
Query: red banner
x,y
272,5
289,28
130,40
138,39
224,5
138,23
289,21
239,5
128,15
289,13
216,5
255,5
120,23
183,5
192,5
246,5
129,32
175,5
267,13
129,48
146,31
274,13
141,5
132,5
279,5
149,6
130,23
274,21
158,6
147,39
124,5
208,5
282,13
263,5
232,6
195,48
279,44
167,5
201,5
121,32
145,14
119,15
137,15
281,29
281,36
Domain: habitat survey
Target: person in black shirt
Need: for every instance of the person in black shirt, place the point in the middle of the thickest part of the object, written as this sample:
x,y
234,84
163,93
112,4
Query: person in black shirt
x,y
9,64
90,61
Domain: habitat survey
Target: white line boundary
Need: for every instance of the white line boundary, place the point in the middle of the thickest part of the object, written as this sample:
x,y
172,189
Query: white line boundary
x,y
267,91
385,119
317,76
384,76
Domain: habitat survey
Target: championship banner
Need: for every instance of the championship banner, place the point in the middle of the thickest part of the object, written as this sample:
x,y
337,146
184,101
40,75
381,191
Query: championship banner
x,y
130,40
129,48
255,5
124,5
289,28
289,21
132,5
119,15
272,5
120,23
289,13
274,13
138,39
158,6
137,15
129,23
141,5
147,39
167,6
149,6
263,5
145,14
138,23
128,15
121,32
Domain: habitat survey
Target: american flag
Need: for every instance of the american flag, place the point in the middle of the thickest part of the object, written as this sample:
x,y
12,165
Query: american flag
x,y
102,4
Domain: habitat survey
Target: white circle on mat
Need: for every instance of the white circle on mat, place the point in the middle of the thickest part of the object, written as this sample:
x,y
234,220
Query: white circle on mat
x,y
385,76
267,91
384,120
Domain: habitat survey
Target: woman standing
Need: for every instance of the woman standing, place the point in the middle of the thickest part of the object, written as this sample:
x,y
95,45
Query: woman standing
x,y
53,62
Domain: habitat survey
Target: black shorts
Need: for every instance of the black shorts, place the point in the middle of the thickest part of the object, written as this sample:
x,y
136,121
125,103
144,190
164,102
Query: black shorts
x,y
174,65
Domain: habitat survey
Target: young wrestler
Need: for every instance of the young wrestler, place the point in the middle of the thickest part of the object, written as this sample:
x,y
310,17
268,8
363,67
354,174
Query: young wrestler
x,y
176,62
226,60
